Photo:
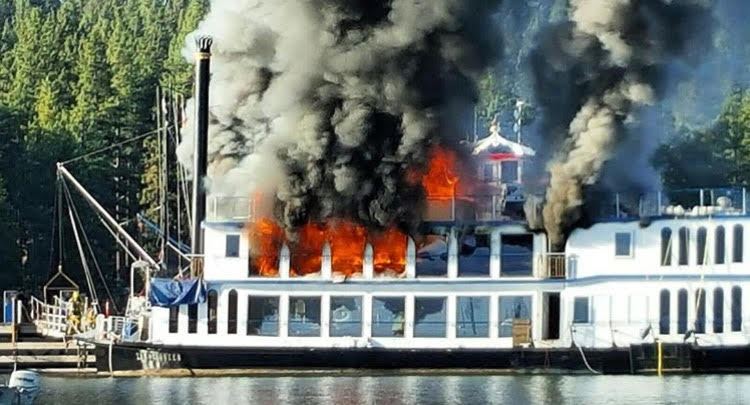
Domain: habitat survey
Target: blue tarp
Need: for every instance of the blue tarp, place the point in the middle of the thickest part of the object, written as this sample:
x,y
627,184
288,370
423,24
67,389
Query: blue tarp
x,y
166,292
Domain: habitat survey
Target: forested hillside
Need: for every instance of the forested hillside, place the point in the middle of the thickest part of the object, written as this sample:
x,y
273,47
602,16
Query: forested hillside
x,y
77,75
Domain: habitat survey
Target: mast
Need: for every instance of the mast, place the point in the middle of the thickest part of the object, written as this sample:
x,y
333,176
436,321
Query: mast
x,y
62,171
200,153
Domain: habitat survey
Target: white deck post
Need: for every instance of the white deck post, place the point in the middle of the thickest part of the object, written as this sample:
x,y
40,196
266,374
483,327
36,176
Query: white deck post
x,y
409,316
451,317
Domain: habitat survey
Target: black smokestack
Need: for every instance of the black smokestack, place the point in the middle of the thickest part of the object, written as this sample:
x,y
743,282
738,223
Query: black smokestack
x,y
593,74
327,106
200,153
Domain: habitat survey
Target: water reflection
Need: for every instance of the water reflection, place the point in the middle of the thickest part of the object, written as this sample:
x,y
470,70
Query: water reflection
x,y
396,390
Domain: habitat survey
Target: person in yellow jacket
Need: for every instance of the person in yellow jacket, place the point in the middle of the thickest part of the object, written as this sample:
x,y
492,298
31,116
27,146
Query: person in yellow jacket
x,y
75,309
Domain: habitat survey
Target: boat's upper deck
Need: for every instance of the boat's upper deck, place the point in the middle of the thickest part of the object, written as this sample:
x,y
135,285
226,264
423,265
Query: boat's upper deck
x,y
708,237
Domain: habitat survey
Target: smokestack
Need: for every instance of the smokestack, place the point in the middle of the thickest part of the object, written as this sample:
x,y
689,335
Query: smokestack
x,y
200,153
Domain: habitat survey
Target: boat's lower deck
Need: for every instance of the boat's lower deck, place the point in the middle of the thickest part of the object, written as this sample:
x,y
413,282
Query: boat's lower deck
x,y
675,358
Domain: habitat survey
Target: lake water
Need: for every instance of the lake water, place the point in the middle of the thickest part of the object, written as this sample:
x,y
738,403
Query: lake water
x,y
394,390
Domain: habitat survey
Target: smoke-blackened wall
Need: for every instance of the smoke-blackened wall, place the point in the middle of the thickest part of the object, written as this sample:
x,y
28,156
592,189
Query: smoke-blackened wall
x,y
328,105
593,74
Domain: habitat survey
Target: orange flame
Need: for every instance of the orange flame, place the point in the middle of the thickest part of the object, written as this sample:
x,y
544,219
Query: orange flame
x,y
389,251
266,239
441,179
347,247
307,251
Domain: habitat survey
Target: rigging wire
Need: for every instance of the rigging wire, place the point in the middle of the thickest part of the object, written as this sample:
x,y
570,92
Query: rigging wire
x,y
90,249
84,262
116,145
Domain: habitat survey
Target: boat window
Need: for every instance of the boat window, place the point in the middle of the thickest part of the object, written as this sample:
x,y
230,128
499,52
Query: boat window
x,y
346,316
684,236
700,311
682,307
719,250
514,310
389,252
388,317
174,313
474,254
737,248
232,246
429,317
489,172
664,312
262,316
623,244
666,247
581,310
212,315
509,171
718,310
304,316
701,249
473,317
432,255
736,309
516,255
232,313
193,318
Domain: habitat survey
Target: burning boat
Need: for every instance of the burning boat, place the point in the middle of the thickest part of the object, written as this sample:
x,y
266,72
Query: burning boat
x,y
652,290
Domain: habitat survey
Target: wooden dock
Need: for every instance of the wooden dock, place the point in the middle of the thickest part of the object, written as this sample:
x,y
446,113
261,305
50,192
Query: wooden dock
x,y
32,350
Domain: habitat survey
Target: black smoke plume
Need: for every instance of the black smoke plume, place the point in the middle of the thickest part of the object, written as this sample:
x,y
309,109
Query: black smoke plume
x,y
326,105
592,74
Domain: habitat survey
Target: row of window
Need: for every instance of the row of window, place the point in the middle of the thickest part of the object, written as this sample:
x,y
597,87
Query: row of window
x,y
581,313
474,253
388,316
702,251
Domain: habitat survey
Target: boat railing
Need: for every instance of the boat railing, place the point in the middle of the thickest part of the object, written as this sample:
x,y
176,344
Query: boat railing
x,y
495,205
51,319
118,328
554,265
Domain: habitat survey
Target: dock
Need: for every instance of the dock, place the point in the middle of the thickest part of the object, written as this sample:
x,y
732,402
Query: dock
x,y
33,350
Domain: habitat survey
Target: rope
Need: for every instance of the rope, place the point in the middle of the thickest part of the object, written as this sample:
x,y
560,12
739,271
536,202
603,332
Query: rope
x,y
580,350
90,249
116,145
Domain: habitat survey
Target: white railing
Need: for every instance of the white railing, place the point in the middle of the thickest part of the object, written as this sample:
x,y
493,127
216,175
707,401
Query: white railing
x,y
118,329
51,319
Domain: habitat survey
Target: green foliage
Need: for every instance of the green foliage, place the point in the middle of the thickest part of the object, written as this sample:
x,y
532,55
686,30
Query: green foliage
x,y
714,157
77,75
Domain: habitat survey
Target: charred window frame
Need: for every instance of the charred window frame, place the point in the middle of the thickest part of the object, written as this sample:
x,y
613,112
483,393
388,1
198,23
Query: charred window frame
x,y
474,252
516,255
684,237
666,247
174,319
720,239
